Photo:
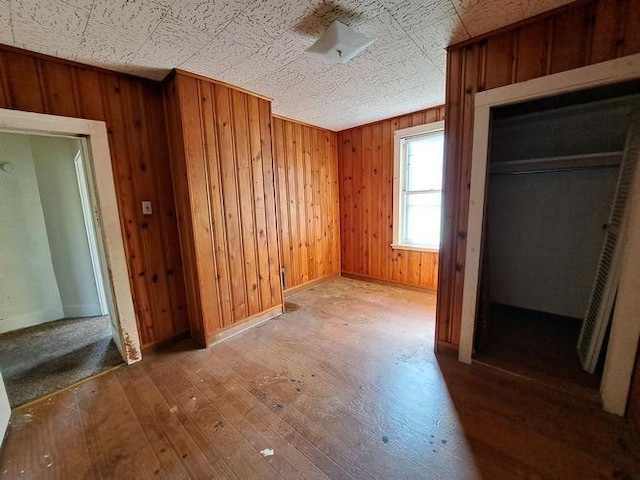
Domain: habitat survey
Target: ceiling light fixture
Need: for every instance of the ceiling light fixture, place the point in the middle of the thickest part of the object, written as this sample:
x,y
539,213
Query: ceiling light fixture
x,y
340,43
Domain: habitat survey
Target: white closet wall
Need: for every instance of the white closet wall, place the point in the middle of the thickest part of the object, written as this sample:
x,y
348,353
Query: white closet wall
x,y
545,229
27,281
54,162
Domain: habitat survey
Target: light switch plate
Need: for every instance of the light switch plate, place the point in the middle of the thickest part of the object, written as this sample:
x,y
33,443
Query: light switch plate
x,y
146,207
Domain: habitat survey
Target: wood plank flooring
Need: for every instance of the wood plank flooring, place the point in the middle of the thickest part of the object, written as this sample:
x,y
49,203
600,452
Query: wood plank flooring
x,y
345,385
538,345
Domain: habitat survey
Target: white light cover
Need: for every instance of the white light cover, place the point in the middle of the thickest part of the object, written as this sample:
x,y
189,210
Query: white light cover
x,y
340,43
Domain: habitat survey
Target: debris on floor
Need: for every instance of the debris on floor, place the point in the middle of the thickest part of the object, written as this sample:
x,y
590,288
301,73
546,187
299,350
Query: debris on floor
x,y
267,452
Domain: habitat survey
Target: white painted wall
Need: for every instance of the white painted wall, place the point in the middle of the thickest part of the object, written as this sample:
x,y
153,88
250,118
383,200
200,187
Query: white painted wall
x,y
567,131
545,236
545,230
28,287
56,174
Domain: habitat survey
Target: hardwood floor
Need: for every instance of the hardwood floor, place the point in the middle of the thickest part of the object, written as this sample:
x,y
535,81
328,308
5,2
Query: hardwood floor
x,y
345,385
538,345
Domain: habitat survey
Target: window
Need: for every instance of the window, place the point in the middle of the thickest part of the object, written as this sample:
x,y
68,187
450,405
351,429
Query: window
x,y
418,187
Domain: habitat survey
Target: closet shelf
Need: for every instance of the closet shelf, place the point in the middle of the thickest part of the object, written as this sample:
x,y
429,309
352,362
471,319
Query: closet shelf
x,y
562,163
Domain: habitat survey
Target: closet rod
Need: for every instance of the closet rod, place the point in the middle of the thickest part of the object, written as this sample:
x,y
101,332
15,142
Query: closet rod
x,y
553,170
557,164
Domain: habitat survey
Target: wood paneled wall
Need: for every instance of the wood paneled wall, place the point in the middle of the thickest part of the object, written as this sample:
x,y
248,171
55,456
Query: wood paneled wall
x,y
366,205
225,195
133,111
574,36
306,162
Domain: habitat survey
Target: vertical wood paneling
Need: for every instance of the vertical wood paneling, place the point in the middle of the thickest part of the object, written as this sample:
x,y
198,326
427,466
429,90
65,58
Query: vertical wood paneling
x,y
244,194
181,189
335,219
307,175
366,205
365,199
356,235
346,199
165,228
283,204
270,195
532,45
134,114
89,97
216,212
630,39
306,160
386,234
199,199
376,213
223,175
293,273
571,39
23,81
574,36
608,30
226,160
260,213
123,176
58,78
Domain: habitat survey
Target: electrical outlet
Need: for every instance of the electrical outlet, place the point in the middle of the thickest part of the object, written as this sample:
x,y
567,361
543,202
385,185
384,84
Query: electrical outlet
x,y
146,207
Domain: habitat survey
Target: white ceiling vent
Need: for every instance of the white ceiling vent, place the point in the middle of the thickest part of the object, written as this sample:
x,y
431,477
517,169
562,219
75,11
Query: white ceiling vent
x,y
340,43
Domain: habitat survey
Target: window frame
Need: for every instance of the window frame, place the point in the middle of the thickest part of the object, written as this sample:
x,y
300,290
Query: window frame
x,y
399,180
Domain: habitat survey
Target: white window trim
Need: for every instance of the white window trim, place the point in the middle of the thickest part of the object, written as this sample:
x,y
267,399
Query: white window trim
x,y
398,135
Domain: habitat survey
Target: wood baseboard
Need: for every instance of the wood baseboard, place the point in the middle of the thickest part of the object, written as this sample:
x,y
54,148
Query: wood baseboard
x,y
245,324
366,278
446,349
166,342
310,284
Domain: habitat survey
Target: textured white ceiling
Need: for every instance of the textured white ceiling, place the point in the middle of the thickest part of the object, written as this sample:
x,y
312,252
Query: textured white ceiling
x,y
260,45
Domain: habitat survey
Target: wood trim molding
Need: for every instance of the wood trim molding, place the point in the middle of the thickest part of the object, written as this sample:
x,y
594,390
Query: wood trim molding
x,y
166,342
365,278
306,286
246,324
288,119
612,71
71,63
217,82
521,23
397,117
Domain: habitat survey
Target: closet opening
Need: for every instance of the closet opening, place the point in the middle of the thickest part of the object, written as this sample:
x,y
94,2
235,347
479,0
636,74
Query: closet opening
x,y
559,171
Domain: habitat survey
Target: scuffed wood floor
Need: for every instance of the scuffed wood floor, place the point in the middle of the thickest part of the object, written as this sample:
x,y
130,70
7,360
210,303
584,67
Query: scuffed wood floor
x,y
346,385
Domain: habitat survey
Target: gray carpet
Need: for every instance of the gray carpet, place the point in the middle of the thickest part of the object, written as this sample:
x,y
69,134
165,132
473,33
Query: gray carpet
x,y
37,361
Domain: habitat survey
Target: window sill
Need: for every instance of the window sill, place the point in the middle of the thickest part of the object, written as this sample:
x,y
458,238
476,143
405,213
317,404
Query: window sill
x,y
414,248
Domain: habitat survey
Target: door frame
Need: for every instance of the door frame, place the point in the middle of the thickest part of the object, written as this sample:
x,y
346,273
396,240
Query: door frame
x,y
86,202
625,328
106,217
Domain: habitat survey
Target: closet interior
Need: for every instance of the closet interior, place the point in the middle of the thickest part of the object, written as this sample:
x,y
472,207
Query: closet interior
x,y
554,177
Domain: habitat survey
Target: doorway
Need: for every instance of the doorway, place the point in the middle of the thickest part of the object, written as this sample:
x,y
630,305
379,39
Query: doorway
x,y
553,169
625,323
73,285
55,328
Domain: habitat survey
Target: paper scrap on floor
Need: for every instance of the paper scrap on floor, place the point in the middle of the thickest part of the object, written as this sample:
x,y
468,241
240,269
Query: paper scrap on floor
x,y
267,452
